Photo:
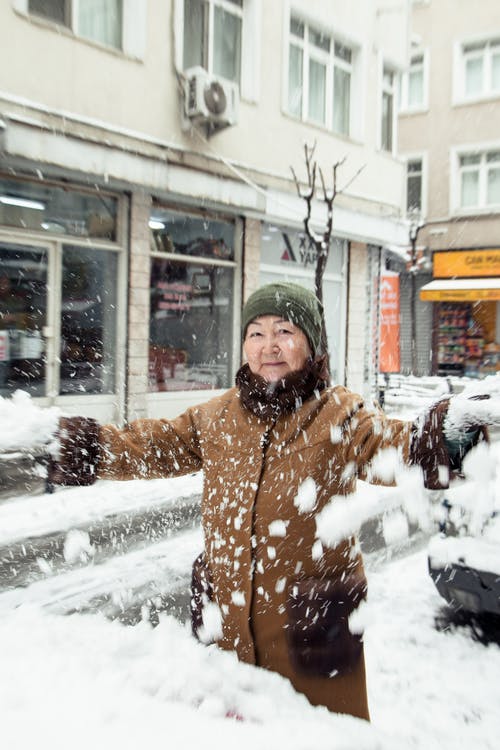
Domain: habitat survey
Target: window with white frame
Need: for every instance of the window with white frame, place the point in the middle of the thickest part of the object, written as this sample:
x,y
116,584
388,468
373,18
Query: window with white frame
x,y
414,185
320,71
389,80
414,88
213,36
481,68
100,21
479,179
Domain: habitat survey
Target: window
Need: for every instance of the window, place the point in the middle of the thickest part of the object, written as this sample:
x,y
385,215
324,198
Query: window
x,y
414,185
213,36
414,88
479,180
53,209
87,357
320,73
191,302
98,20
481,68
388,109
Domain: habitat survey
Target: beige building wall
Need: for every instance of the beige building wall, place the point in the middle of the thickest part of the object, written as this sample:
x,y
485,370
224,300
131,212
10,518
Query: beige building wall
x,y
449,123
136,97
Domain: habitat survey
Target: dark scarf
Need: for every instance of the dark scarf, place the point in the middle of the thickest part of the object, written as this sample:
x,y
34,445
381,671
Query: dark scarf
x,y
271,400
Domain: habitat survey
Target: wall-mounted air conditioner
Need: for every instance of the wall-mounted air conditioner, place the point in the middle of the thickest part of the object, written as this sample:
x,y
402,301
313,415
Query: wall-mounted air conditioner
x,y
210,100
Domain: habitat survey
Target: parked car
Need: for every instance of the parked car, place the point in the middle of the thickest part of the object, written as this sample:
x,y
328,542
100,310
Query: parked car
x,y
464,558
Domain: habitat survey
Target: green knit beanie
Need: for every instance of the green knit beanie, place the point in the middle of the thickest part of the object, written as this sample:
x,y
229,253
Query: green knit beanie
x,y
290,301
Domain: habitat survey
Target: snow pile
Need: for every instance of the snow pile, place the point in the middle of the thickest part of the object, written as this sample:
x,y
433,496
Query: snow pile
x,y
82,680
478,404
468,551
24,426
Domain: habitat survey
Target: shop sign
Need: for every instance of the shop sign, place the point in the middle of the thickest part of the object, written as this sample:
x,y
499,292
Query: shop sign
x,y
460,295
466,264
174,296
389,352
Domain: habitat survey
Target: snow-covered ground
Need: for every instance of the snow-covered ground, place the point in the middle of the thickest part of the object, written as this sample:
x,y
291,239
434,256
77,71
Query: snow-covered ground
x,y
81,680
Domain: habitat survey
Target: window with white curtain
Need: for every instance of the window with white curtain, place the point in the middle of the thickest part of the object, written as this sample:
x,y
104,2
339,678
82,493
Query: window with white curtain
x,y
320,71
480,64
100,21
388,109
213,36
479,179
414,83
414,185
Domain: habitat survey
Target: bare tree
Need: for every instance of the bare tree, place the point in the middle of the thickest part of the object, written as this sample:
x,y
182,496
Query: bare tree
x,y
320,241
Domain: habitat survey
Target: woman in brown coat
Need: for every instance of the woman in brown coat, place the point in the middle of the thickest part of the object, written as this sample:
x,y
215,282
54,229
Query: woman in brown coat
x,y
275,450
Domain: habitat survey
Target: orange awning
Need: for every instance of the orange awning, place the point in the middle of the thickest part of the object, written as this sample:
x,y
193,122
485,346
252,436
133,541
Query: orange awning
x,y
461,290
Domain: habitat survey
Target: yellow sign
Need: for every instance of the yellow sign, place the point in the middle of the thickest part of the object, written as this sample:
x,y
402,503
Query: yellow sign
x,y
459,295
466,264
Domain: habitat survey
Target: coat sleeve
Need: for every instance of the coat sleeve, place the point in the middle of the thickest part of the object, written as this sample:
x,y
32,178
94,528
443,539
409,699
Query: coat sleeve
x,y
421,443
150,449
369,432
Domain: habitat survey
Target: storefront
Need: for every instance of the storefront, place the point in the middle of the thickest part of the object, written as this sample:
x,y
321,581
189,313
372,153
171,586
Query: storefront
x,y
62,295
466,293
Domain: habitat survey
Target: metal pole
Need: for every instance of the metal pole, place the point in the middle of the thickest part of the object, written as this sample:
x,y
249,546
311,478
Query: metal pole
x,y
413,298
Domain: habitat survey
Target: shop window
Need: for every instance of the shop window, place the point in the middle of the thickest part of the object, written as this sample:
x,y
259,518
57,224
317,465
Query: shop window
x,y
213,36
191,302
320,71
23,310
88,321
479,180
57,210
98,20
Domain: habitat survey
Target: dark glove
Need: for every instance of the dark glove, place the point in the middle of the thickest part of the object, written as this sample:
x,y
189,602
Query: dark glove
x,y
78,452
201,592
320,642
437,448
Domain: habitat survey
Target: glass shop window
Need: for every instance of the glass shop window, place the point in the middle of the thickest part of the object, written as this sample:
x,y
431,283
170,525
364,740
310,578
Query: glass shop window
x,y
88,321
23,312
53,209
191,302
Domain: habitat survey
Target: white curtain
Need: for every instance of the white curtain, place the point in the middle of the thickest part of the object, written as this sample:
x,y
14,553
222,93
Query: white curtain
x,y
493,197
317,89
474,76
101,21
227,45
470,189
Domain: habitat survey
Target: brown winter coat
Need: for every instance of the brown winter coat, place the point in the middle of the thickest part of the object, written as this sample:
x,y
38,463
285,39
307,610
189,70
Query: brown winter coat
x,y
253,469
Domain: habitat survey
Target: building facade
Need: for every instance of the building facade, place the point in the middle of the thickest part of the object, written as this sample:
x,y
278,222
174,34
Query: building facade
x,y
146,190
449,131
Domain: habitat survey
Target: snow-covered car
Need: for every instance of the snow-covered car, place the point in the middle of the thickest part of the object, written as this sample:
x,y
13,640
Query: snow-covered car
x,y
464,559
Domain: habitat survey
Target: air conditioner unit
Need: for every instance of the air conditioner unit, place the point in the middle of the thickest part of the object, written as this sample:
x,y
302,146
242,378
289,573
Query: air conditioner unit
x,y
210,100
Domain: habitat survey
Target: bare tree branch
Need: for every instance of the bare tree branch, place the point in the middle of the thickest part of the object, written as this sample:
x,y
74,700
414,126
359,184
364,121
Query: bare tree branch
x,y
320,242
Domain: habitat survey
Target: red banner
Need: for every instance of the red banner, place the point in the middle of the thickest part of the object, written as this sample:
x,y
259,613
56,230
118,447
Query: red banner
x,y
389,352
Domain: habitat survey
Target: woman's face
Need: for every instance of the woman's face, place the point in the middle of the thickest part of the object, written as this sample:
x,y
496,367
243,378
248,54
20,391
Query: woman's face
x,y
274,347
